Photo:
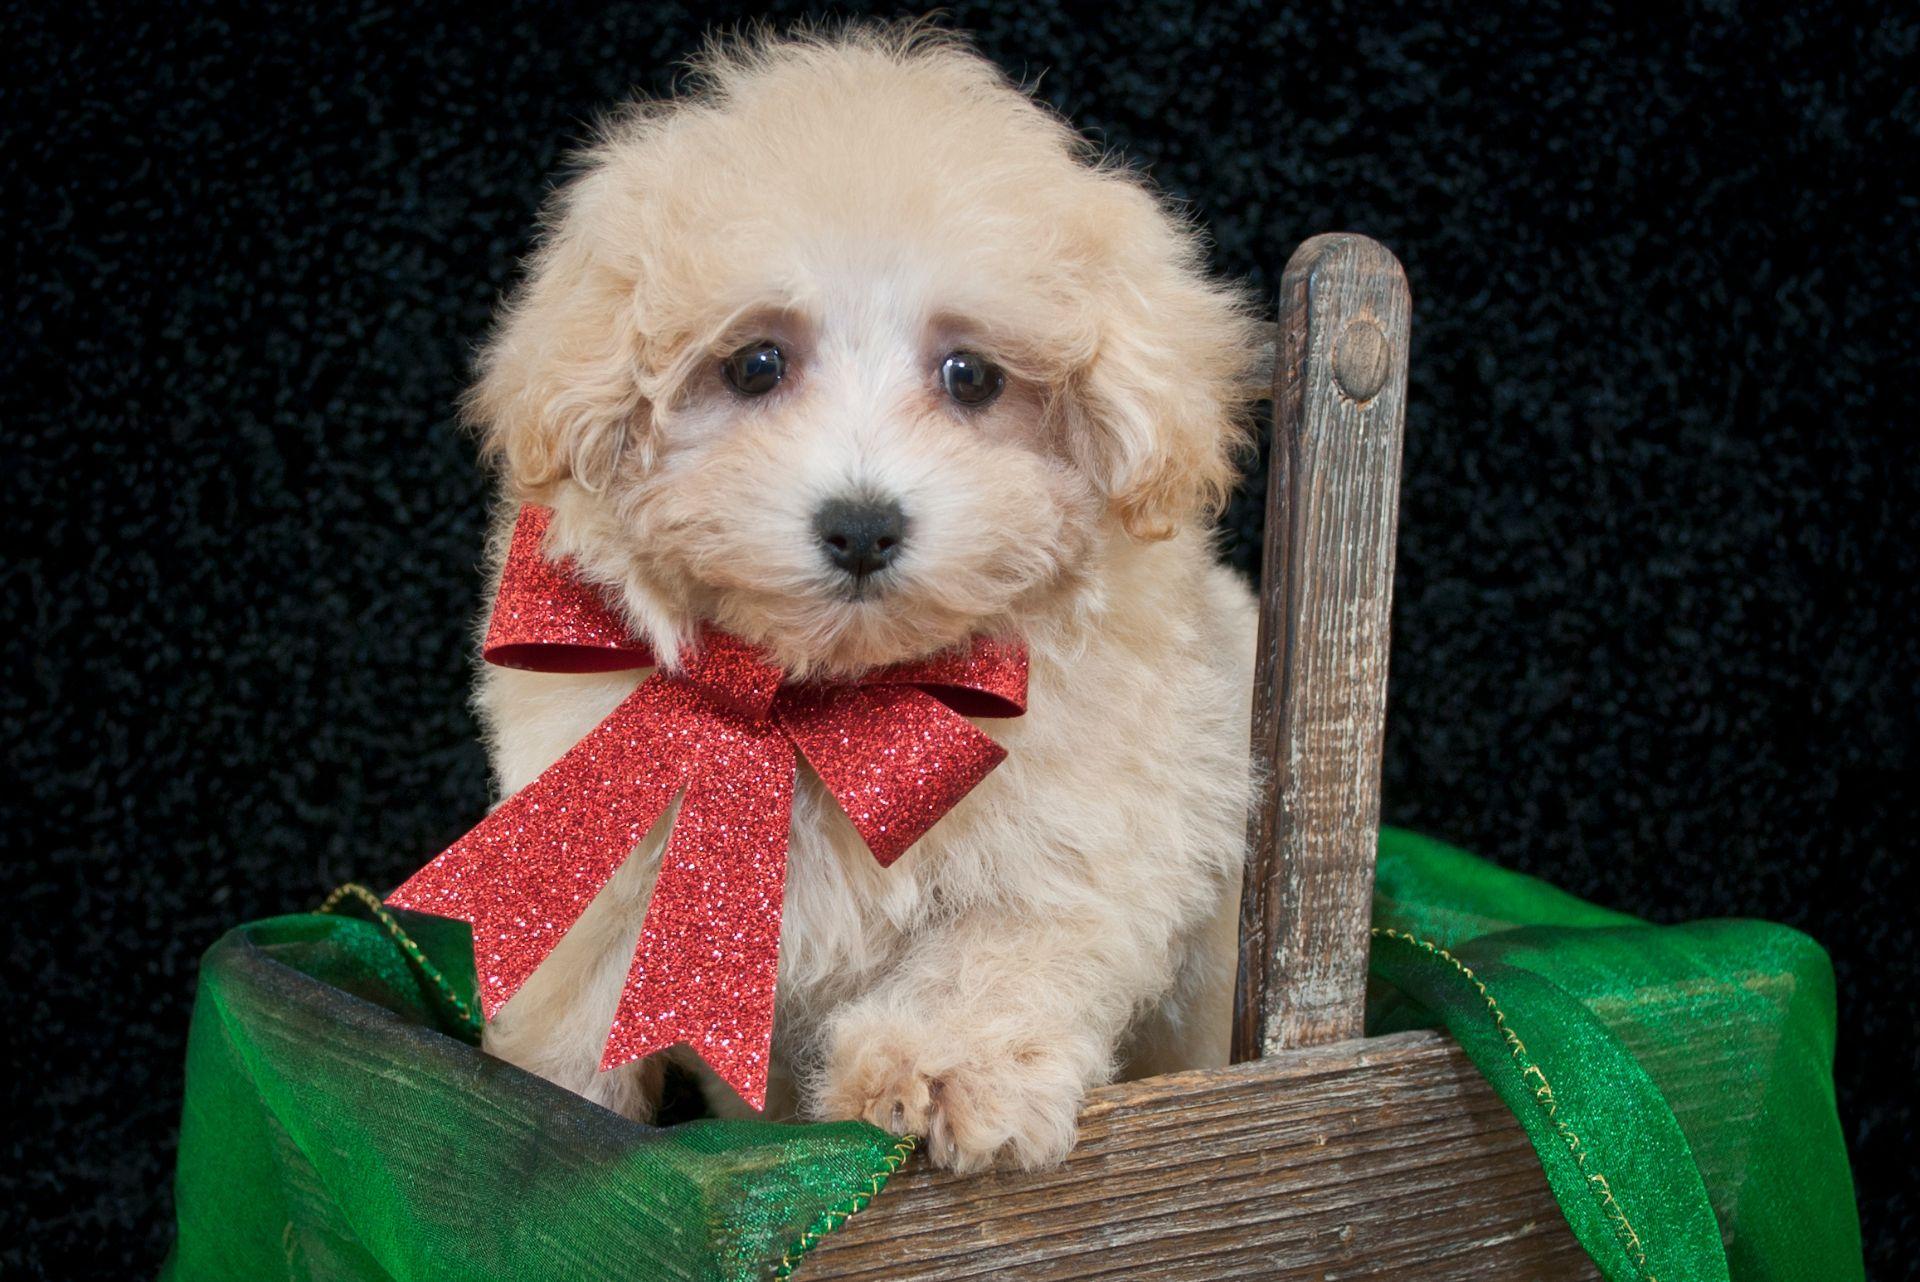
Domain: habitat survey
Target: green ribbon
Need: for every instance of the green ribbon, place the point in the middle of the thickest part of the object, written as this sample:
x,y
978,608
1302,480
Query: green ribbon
x,y
1675,1081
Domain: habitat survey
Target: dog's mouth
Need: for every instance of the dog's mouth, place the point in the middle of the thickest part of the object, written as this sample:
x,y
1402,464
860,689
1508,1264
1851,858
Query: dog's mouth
x,y
868,589
851,628
819,617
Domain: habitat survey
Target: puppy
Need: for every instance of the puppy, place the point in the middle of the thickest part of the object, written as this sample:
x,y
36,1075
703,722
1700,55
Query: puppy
x,y
855,351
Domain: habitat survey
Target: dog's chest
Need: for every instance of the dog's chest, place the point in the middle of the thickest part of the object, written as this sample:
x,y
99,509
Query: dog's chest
x,y
846,917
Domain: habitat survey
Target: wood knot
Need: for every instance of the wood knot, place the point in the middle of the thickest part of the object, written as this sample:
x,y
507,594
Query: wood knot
x,y
1360,360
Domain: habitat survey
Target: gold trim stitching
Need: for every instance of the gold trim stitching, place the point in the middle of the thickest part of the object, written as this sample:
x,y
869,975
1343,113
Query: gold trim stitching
x,y
1543,1095
354,890
833,1217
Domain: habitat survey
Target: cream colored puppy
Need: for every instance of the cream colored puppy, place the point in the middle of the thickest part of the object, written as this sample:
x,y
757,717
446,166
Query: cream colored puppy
x,y
857,351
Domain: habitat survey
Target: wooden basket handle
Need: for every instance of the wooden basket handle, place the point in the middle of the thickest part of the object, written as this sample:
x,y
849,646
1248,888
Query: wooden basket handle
x,y
1320,673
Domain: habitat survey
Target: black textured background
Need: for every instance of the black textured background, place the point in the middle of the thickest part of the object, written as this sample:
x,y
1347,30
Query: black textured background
x,y
1656,602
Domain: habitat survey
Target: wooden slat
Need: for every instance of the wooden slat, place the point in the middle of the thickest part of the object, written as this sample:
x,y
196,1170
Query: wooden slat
x,y
1320,680
1389,1155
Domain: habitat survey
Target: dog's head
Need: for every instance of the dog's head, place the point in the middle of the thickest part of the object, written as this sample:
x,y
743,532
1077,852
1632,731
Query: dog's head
x,y
856,351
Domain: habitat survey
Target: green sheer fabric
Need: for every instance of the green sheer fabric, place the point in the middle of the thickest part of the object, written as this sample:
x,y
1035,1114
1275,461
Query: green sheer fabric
x,y
1676,1082
336,1127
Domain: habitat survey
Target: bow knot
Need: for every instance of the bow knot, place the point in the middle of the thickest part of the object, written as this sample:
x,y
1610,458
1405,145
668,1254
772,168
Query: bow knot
x,y
733,676
721,733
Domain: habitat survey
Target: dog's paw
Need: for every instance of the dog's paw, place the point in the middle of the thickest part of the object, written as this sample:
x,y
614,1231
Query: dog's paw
x,y
973,1106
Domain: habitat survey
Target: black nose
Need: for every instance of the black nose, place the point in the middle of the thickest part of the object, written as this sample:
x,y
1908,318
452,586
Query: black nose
x,y
861,536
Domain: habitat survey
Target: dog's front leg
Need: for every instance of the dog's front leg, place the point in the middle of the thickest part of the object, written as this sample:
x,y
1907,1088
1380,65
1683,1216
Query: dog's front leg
x,y
556,1025
987,1040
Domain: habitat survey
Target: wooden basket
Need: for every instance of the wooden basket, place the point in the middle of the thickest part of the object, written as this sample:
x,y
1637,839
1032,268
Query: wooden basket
x,y
1320,1153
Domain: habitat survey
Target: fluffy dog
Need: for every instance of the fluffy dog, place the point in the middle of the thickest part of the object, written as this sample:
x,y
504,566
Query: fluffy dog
x,y
855,351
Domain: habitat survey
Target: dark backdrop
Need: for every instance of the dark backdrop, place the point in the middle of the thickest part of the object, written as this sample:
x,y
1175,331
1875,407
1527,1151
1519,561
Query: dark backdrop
x,y
1655,608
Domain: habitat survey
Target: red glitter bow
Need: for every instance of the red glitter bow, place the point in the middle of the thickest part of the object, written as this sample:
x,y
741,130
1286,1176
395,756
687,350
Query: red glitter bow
x,y
894,747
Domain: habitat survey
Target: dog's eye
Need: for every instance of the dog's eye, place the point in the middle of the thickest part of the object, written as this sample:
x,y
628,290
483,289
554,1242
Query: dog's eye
x,y
755,369
971,378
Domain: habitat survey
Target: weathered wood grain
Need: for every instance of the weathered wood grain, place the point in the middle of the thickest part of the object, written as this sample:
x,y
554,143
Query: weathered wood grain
x,y
1361,1159
1320,679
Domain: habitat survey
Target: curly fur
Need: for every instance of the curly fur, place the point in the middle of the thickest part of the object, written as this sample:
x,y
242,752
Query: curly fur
x,y
873,199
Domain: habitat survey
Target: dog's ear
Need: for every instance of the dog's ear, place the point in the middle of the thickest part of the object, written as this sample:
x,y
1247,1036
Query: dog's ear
x,y
1165,394
558,396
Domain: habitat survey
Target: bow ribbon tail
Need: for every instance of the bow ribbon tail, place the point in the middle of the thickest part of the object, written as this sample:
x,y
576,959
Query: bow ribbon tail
x,y
894,757
523,876
706,963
